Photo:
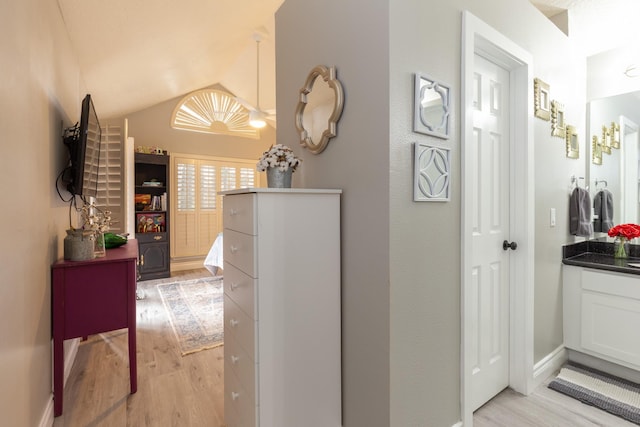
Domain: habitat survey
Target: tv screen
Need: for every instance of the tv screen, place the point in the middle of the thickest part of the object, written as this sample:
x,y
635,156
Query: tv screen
x,y
83,142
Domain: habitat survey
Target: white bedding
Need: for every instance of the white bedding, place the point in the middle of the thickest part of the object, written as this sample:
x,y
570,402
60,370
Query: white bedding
x,y
213,261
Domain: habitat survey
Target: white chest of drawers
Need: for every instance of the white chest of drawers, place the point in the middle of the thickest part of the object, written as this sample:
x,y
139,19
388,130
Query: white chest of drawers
x,y
282,308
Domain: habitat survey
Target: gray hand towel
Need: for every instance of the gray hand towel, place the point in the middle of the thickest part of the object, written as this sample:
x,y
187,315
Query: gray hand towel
x,y
580,213
603,207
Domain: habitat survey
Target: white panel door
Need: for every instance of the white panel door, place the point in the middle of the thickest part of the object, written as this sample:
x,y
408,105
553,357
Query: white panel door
x,y
489,261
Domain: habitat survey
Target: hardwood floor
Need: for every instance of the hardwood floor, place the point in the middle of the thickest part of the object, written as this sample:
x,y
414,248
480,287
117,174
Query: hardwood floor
x,y
188,391
172,390
543,408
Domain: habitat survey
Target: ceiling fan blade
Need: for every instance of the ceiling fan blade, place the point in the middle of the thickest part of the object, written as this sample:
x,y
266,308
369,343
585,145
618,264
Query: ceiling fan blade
x,y
271,121
245,104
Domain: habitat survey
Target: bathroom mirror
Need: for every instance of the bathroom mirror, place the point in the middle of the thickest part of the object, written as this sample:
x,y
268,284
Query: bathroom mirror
x,y
431,107
614,121
319,108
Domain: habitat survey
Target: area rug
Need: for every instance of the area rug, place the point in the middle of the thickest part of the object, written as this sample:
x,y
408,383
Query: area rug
x,y
612,394
195,309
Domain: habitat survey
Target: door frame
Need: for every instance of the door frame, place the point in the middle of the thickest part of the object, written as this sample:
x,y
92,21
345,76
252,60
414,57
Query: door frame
x,y
480,38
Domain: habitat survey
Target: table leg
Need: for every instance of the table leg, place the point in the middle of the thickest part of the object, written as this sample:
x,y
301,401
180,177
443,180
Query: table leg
x,y
133,365
58,375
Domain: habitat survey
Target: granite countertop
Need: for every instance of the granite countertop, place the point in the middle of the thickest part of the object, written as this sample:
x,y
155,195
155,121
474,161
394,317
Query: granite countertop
x,y
599,255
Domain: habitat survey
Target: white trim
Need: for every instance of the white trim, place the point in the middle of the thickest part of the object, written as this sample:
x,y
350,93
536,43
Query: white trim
x,y
458,424
478,37
551,363
177,265
47,417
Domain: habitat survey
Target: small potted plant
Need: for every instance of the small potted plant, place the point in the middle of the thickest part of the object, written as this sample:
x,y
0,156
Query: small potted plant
x,y
279,162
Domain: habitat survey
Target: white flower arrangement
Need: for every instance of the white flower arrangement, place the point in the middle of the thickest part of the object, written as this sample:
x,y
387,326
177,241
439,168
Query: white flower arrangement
x,y
94,219
278,156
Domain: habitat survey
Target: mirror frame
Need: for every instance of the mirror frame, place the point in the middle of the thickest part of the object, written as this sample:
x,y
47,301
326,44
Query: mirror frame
x,y
328,74
605,142
558,125
541,100
572,143
420,125
615,135
596,151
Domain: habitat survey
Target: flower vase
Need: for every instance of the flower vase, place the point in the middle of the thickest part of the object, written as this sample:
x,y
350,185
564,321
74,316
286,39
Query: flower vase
x,y
277,178
99,248
79,245
620,247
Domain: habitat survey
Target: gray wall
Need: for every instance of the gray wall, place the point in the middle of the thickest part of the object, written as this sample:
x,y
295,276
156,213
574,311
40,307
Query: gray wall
x,y
356,40
401,316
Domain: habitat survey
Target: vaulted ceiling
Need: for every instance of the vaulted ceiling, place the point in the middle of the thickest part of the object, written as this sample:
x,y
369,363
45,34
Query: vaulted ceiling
x,y
135,54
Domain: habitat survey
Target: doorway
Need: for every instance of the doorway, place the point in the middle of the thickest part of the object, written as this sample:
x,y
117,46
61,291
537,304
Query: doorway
x,y
497,185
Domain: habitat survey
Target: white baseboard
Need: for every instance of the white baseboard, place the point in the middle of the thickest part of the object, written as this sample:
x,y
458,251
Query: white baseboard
x,y
458,424
187,265
47,416
549,365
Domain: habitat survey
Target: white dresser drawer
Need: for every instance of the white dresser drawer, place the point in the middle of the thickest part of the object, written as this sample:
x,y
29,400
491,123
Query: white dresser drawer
x,y
241,364
238,402
241,289
238,324
239,251
238,213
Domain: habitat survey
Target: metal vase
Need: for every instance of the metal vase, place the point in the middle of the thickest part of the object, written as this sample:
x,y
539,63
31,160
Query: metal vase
x,y
279,179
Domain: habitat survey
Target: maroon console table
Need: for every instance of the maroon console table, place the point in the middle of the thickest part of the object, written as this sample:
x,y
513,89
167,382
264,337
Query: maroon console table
x,y
91,297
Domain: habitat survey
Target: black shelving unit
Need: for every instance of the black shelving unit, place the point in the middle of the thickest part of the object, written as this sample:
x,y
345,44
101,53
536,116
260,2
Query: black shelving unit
x,y
152,214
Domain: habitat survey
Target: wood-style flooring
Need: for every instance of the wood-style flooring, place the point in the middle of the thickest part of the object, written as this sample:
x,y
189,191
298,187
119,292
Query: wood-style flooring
x,y
188,391
543,408
172,390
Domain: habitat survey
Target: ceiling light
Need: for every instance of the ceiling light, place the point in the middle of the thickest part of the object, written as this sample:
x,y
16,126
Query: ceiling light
x,y
256,119
632,71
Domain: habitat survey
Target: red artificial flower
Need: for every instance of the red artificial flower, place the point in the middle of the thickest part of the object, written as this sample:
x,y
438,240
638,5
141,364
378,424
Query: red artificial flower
x,y
628,231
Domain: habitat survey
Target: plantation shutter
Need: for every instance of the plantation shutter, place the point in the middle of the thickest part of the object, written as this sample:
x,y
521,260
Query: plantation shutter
x,y
110,183
184,218
197,210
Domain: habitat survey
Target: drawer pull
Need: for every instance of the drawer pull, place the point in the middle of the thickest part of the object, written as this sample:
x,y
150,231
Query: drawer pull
x,y
234,286
234,359
233,322
233,249
233,212
234,395
157,237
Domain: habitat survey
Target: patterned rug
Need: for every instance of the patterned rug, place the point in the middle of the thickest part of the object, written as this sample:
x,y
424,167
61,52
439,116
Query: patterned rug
x,y
195,309
612,394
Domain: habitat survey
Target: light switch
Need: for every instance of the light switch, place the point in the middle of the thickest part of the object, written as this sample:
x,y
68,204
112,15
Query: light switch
x,y
552,217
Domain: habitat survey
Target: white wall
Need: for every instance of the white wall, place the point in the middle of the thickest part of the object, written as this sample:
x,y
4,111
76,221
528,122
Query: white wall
x,y
401,270
40,92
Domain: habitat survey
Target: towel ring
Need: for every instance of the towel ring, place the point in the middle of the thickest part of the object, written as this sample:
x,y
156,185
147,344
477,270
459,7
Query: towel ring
x,y
601,181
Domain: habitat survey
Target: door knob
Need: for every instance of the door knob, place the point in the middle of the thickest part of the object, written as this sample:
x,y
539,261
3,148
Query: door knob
x,y
506,245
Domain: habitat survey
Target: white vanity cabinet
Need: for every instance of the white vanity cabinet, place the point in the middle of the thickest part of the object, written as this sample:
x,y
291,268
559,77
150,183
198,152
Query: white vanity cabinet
x,y
282,325
602,314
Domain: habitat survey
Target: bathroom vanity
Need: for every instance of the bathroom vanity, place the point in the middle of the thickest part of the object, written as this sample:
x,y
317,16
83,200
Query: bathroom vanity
x,y
601,303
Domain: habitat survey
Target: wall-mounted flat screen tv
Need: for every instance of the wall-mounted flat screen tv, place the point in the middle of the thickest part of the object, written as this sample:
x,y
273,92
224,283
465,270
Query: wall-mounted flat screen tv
x,y
83,142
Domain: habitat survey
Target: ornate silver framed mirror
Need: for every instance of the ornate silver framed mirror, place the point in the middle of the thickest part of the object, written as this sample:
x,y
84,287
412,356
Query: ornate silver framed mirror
x,y
319,108
431,107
